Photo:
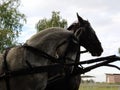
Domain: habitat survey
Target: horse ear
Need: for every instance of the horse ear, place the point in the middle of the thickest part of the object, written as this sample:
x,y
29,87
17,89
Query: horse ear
x,y
70,27
81,21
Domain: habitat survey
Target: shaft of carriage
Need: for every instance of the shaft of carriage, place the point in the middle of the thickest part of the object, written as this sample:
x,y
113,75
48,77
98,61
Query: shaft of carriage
x,y
102,61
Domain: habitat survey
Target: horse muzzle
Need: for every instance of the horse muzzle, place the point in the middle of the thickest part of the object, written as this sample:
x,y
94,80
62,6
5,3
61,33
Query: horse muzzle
x,y
97,53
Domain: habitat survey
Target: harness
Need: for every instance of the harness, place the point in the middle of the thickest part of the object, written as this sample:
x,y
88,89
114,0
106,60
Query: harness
x,y
59,65
104,61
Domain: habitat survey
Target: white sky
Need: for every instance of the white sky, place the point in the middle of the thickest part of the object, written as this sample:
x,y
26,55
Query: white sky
x,y
104,16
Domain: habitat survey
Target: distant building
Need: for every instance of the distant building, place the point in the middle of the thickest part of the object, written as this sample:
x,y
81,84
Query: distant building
x,y
113,78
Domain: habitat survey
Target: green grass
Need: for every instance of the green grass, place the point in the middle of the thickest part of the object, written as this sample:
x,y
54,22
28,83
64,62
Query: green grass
x,y
99,87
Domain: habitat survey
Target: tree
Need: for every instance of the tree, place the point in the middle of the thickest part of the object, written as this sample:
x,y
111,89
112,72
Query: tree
x,y
54,21
11,22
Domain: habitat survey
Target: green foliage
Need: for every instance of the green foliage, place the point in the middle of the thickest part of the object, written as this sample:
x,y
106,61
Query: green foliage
x,y
54,21
11,22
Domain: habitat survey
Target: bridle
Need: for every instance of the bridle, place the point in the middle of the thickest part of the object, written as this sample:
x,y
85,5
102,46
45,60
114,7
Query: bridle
x,y
32,70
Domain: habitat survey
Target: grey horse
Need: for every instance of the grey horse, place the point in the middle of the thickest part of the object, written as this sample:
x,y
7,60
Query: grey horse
x,y
53,41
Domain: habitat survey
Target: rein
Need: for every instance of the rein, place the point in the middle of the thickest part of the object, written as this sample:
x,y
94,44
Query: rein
x,y
59,66
104,61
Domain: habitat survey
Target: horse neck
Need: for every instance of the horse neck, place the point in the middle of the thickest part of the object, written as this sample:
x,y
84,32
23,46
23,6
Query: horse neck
x,y
50,40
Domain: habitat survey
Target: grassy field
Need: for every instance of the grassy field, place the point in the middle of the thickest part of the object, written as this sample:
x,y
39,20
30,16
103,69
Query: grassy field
x,y
99,87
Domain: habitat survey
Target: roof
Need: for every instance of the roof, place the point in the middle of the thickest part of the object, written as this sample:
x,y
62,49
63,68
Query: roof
x,y
112,74
87,76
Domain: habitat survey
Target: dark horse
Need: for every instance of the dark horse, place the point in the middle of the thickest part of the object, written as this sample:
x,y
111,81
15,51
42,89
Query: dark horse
x,y
90,42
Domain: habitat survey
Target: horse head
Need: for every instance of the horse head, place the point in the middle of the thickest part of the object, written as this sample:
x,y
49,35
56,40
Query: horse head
x,y
86,36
